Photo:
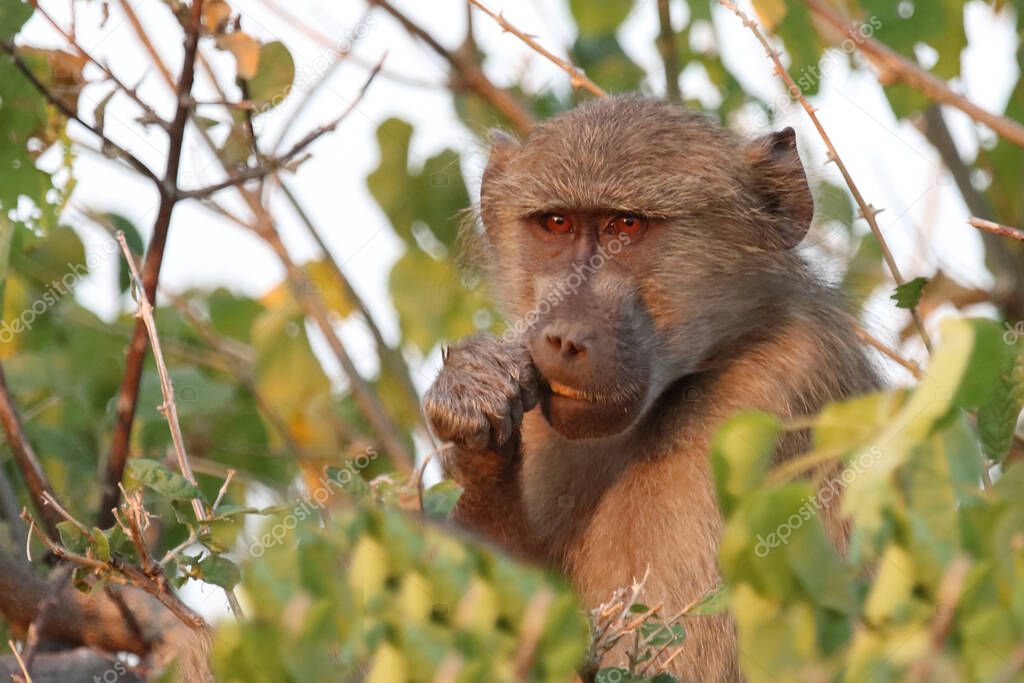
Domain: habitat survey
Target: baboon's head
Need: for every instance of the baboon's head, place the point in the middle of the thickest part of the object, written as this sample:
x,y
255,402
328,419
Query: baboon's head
x,y
631,243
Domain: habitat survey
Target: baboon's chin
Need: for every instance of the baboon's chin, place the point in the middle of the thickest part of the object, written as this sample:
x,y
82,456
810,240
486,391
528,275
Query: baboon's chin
x,y
580,419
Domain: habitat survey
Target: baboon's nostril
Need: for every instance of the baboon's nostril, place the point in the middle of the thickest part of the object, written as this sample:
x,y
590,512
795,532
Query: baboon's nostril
x,y
573,348
565,345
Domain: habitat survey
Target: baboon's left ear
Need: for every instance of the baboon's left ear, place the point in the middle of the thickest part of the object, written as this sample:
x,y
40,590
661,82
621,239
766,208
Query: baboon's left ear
x,y
782,185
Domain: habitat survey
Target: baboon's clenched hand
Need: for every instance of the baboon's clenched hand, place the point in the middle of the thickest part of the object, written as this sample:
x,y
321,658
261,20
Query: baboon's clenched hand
x,y
479,398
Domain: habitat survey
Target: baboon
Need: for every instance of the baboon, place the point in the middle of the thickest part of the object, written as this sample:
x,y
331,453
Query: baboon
x,y
645,256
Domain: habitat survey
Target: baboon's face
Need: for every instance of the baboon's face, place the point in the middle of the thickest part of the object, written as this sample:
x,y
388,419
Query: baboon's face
x,y
625,237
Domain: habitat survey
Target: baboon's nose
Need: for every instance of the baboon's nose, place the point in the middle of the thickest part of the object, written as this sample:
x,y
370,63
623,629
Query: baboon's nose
x,y
566,343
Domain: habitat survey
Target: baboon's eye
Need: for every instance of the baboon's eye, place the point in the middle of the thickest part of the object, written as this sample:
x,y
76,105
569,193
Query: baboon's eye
x,y
626,224
556,223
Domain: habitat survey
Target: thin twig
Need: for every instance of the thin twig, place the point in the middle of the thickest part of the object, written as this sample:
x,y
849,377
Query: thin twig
x,y
147,44
997,229
134,576
887,351
69,36
25,457
895,68
168,408
669,51
64,109
513,110
869,212
128,395
17,656
577,78
271,165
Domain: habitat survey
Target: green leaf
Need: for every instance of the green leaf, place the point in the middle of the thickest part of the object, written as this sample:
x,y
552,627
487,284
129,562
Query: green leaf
x,y
99,545
72,538
599,18
1000,409
741,452
219,571
908,294
431,301
273,79
13,15
440,499
389,182
135,244
155,476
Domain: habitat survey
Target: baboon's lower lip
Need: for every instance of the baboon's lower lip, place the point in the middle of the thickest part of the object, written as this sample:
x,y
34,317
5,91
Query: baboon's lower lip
x,y
569,392
598,397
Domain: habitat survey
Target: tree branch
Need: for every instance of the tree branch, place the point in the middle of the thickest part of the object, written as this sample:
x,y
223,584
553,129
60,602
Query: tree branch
x,y
520,118
997,229
895,68
25,457
669,51
272,164
577,78
869,212
129,392
128,157
169,409
96,619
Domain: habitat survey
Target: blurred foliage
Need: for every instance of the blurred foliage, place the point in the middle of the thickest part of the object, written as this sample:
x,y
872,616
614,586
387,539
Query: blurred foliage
x,y
930,586
406,602
371,592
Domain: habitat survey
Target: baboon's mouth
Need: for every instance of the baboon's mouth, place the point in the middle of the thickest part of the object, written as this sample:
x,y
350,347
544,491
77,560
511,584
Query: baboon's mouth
x,y
585,413
565,391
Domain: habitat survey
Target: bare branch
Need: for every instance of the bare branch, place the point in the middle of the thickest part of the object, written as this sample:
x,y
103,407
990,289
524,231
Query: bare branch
x,y
129,393
513,110
61,106
887,351
669,50
271,165
69,36
21,664
997,229
168,407
869,212
895,68
25,457
577,78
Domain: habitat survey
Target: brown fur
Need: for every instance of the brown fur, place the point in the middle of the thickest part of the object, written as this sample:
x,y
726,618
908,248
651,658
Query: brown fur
x,y
708,312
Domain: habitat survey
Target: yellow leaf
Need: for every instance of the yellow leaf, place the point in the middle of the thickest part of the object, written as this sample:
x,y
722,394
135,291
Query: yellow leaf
x,y
246,50
215,15
324,282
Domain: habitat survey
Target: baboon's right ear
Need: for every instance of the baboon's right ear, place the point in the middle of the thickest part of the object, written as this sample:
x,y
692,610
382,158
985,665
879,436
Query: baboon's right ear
x,y
503,147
